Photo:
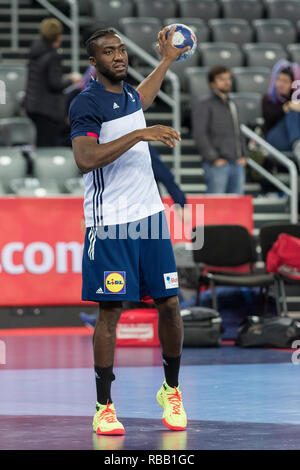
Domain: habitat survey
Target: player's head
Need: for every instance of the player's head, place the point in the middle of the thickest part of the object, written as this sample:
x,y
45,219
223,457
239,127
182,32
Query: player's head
x,y
284,81
219,78
107,53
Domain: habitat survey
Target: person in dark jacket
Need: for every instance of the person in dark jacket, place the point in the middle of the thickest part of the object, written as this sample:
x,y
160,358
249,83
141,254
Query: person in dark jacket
x,y
280,112
44,99
218,138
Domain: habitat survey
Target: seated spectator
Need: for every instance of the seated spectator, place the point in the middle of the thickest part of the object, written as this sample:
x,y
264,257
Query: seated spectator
x,y
218,137
281,114
44,99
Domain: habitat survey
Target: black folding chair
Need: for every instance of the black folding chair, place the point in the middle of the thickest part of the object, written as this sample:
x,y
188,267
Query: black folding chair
x,y
230,246
268,235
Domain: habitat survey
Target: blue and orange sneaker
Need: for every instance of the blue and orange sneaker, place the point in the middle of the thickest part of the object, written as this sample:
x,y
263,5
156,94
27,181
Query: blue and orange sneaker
x,y
105,421
174,416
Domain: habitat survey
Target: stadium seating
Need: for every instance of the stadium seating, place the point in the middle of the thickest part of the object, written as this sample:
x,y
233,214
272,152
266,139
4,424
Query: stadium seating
x,y
274,31
109,12
261,54
214,53
8,107
75,186
157,8
12,165
142,31
251,79
33,187
17,131
243,9
249,107
204,9
285,9
55,163
197,82
294,52
231,30
14,77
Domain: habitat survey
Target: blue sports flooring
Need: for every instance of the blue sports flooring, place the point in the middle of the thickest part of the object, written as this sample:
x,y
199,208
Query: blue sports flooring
x,y
234,398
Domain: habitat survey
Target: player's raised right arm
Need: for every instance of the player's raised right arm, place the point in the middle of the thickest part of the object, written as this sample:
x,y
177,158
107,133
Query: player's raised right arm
x,y
90,155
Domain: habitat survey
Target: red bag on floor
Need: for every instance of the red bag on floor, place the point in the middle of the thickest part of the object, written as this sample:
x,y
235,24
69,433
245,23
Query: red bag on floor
x,y
284,256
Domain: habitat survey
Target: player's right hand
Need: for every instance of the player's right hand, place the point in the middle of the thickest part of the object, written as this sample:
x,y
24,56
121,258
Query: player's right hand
x,y
166,135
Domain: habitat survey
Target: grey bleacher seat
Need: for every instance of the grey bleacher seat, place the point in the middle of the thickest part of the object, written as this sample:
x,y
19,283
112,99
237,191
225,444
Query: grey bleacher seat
x,y
231,30
263,54
196,24
17,131
75,186
7,105
284,9
204,9
109,12
243,9
197,82
2,190
224,53
156,8
294,52
251,79
55,163
12,165
14,77
29,186
180,67
143,31
249,107
274,30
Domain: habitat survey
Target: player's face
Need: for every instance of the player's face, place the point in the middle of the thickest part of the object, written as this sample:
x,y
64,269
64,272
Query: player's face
x,y
222,83
111,58
283,84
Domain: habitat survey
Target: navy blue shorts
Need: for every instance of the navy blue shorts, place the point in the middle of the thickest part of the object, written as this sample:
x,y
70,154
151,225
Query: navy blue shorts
x,y
129,261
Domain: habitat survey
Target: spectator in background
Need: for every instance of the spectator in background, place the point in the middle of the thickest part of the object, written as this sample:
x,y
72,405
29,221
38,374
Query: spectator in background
x,y
44,99
282,115
218,138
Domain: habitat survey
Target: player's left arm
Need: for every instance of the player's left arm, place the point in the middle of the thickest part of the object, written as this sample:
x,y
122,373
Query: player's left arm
x,y
151,85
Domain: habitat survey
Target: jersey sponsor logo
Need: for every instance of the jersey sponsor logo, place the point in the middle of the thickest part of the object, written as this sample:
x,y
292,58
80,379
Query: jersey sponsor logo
x,y
115,282
115,106
171,280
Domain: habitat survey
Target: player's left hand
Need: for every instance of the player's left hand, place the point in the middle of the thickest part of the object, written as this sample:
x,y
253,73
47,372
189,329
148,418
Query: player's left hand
x,y
165,47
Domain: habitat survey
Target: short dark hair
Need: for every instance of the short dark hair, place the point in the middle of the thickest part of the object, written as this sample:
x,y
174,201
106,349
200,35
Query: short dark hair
x,y
90,44
215,71
287,71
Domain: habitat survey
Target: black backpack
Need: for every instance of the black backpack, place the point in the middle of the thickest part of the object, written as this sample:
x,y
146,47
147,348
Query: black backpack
x,y
274,332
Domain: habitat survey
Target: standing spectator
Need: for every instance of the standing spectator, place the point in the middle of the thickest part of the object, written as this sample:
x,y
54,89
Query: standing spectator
x,y
44,100
218,137
281,114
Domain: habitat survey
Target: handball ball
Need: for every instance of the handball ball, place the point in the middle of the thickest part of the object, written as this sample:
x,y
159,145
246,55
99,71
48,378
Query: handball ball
x,y
183,37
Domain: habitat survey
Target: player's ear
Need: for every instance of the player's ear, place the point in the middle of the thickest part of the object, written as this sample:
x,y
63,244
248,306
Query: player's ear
x,y
92,61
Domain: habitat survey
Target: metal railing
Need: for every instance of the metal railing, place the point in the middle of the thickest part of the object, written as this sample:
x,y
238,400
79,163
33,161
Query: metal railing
x,y
291,191
72,23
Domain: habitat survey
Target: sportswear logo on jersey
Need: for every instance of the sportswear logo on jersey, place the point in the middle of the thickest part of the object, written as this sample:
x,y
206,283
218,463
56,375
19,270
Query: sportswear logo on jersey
x,y
99,291
115,282
171,280
115,106
165,362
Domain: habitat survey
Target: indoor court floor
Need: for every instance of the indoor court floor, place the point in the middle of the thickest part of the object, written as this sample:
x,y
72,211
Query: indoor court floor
x,y
234,398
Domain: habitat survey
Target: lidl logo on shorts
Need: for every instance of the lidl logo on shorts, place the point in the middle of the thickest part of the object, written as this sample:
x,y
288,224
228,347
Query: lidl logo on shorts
x,y
171,280
114,282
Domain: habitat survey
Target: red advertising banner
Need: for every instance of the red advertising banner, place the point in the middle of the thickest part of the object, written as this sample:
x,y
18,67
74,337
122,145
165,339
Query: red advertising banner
x,y
41,242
